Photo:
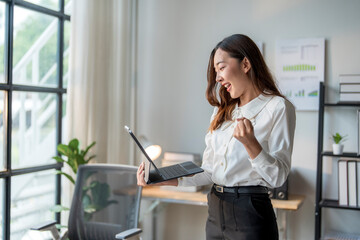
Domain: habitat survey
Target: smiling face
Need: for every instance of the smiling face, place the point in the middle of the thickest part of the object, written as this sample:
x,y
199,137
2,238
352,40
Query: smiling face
x,y
242,78
232,74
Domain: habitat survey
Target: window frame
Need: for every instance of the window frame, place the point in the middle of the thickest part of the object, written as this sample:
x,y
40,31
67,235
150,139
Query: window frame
x,y
8,87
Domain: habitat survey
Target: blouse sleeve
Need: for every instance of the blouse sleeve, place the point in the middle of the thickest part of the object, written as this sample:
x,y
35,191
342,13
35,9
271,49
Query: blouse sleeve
x,y
274,165
203,178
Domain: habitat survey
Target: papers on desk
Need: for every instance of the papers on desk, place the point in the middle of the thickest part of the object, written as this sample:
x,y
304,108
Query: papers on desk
x,y
171,158
181,189
178,157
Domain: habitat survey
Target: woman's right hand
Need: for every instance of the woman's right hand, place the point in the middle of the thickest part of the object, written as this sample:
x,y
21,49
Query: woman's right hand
x,y
141,175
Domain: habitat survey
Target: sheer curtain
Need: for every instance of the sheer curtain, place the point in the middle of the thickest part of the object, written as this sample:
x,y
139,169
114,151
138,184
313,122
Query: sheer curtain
x,y
100,87
99,91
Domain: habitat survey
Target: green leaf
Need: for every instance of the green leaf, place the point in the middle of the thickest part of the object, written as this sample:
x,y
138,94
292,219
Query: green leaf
x,y
91,157
337,138
71,161
88,148
86,200
74,145
64,150
79,159
59,226
72,164
92,185
90,209
66,175
59,159
59,208
100,193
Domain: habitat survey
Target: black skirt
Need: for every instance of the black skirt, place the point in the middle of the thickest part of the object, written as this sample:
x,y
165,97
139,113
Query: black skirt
x,y
240,216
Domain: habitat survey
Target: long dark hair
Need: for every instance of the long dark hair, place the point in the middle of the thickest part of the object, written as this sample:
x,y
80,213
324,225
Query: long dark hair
x,y
237,46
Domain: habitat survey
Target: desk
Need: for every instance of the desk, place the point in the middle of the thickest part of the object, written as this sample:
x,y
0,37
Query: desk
x,y
160,195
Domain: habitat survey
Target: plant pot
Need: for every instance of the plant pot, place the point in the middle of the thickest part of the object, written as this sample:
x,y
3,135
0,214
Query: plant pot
x,y
338,149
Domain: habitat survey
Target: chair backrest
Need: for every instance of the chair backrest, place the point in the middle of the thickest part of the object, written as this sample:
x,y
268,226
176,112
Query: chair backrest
x,y
106,201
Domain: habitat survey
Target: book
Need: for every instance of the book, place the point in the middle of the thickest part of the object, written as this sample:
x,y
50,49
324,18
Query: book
x,y
358,182
342,182
349,78
352,188
349,97
349,88
358,132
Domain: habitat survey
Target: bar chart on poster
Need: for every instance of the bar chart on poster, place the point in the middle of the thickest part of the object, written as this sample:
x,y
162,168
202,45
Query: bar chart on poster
x,y
299,69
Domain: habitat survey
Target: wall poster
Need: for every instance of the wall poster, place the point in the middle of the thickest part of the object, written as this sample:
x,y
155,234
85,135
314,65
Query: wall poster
x,y
300,65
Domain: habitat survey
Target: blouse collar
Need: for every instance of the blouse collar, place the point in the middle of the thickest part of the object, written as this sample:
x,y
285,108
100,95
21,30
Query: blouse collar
x,y
249,110
252,108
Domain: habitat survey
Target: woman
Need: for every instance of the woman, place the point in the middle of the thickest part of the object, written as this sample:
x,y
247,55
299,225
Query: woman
x,y
248,146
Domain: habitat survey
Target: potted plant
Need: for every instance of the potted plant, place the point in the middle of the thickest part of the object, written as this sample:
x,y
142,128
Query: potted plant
x,y
337,145
73,156
96,195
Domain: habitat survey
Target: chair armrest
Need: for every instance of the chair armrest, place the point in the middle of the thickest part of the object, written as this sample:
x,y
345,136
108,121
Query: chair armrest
x,y
44,226
128,233
48,226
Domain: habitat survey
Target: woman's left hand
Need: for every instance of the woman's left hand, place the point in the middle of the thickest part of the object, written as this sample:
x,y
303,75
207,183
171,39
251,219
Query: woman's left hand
x,y
244,132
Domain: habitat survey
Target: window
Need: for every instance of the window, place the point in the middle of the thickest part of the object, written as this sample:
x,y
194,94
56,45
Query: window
x,y
34,48
1,207
52,4
2,131
2,40
34,72
33,133
32,195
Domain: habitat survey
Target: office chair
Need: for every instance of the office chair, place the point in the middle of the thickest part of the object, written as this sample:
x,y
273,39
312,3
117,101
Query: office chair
x,y
105,204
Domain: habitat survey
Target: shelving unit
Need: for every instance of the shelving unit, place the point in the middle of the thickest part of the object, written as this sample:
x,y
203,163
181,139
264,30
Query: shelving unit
x,y
319,201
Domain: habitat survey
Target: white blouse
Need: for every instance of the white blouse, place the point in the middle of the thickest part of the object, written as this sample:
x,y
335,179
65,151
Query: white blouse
x,y
227,163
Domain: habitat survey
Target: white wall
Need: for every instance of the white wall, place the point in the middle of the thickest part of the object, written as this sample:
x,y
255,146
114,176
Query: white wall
x,y
175,40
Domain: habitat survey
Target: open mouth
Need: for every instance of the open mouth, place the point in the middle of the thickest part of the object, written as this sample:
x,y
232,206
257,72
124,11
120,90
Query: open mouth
x,y
228,87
